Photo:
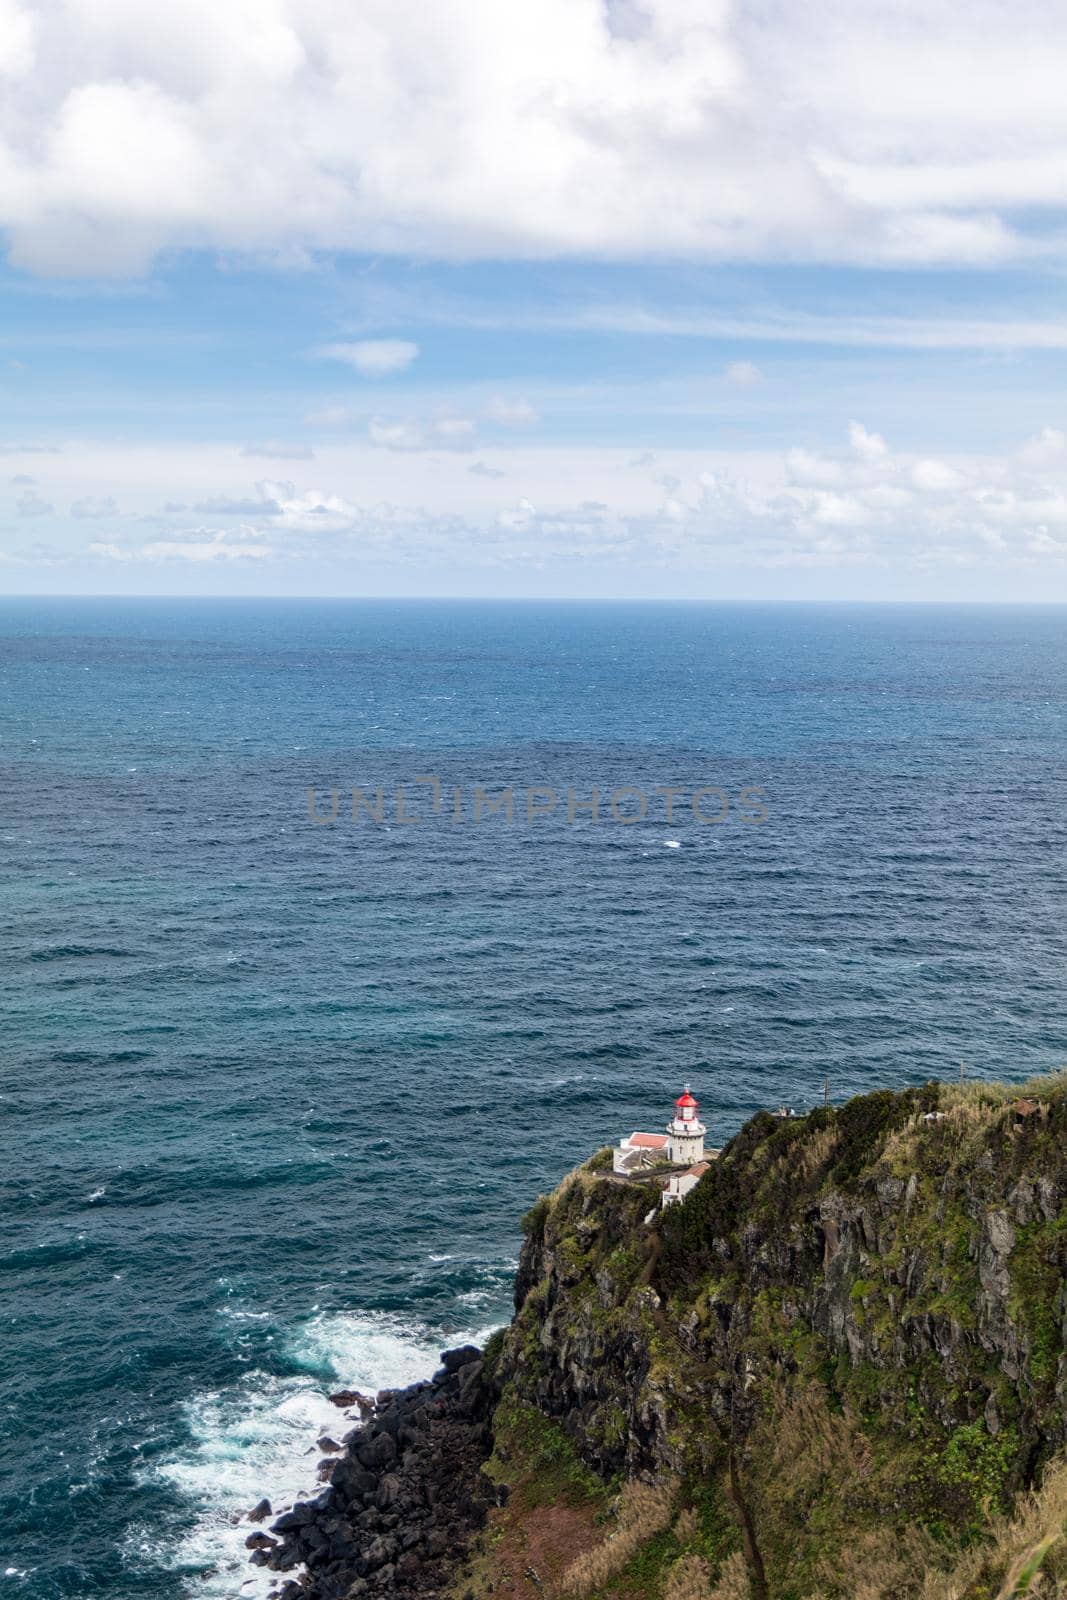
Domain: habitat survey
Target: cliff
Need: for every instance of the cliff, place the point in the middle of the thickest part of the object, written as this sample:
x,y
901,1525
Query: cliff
x,y
837,1370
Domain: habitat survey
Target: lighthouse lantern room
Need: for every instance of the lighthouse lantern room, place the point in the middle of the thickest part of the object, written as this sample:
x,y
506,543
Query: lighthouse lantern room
x,y
685,1131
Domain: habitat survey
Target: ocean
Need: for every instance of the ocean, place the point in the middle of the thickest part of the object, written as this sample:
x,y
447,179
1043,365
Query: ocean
x,y
275,1091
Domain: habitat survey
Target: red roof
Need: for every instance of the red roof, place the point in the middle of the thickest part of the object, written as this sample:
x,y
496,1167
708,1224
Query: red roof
x,y
685,1099
649,1141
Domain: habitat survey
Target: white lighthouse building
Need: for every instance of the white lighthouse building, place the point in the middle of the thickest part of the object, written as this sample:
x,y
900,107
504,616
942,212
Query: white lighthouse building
x,y
685,1132
681,1146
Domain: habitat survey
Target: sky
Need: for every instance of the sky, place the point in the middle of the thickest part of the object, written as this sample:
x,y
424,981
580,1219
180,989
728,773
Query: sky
x,y
587,298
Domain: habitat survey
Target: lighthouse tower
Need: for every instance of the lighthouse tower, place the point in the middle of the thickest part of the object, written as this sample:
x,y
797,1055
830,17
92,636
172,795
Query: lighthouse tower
x,y
685,1142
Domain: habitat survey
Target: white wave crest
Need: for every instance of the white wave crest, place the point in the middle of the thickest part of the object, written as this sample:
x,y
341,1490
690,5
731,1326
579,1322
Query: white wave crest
x,y
258,1438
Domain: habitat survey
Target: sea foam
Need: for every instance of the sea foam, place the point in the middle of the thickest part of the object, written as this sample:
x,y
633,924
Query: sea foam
x,y
258,1438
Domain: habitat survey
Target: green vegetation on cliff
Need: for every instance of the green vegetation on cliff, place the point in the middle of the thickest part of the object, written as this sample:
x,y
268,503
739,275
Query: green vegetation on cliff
x,y
840,1365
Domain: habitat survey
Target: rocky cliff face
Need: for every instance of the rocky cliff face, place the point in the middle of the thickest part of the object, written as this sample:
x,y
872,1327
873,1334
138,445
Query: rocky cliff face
x,y
834,1373
856,1323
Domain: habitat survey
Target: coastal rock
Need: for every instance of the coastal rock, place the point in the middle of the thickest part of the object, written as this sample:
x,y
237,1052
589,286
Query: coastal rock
x,y
378,1451
406,1493
388,1492
260,1512
352,1397
295,1518
452,1360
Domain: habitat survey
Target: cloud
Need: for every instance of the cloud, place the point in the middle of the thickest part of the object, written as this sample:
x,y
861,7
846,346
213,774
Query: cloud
x,y
936,476
511,413
24,479
667,130
744,374
330,417
373,358
891,332
29,450
32,504
228,506
824,504
1045,450
868,446
313,512
94,506
806,467
279,450
16,39
210,548
481,470
415,433
518,517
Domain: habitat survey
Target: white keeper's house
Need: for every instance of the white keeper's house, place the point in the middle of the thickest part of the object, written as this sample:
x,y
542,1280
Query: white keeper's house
x,y
680,1147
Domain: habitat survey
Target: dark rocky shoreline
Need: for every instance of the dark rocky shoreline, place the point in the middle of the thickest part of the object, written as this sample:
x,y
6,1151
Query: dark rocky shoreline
x,y
403,1499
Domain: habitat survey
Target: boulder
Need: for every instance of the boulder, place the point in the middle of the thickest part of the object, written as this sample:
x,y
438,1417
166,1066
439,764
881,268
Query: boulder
x,y
296,1518
377,1452
354,1479
352,1397
378,1552
388,1421
388,1492
462,1356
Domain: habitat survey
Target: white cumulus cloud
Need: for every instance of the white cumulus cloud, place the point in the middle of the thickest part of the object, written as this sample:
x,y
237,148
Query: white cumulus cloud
x,y
511,413
1046,449
868,446
373,358
937,476
421,433
494,128
744,374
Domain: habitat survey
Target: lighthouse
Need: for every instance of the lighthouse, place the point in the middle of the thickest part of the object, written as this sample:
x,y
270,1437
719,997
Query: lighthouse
x,y
685,1132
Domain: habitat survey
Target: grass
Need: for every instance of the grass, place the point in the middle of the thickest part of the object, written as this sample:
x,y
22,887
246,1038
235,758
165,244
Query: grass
x,y
537,1461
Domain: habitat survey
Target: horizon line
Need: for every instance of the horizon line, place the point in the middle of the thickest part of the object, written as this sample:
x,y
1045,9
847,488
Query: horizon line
x,y
587,600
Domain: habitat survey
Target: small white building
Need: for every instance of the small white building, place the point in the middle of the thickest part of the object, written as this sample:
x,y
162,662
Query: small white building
x,y
680,1184
640,1152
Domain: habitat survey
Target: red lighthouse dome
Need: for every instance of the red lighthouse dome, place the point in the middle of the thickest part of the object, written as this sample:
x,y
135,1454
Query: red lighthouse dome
x,y
686,1106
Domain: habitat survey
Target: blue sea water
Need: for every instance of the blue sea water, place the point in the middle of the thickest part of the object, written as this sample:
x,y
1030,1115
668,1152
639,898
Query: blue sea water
x,y
275,1093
